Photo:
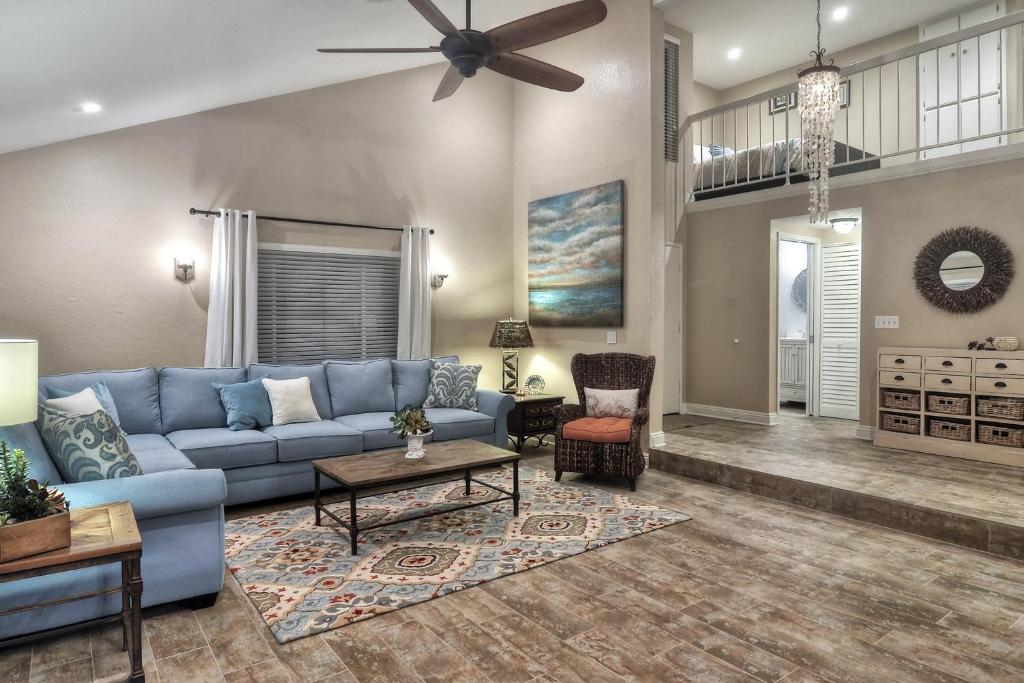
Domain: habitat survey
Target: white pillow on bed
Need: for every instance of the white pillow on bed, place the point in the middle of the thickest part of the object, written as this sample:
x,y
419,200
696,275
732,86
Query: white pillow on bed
x,y
698,157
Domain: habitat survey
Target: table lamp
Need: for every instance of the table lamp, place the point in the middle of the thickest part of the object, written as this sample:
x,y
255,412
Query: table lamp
x,y
19,377
510,336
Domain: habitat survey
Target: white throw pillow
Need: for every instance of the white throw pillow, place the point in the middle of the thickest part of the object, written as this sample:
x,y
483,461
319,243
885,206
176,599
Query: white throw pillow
x,y
291,400
612,402
84,402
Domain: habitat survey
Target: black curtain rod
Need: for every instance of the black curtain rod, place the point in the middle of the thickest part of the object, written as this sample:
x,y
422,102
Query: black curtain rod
x,y
201,212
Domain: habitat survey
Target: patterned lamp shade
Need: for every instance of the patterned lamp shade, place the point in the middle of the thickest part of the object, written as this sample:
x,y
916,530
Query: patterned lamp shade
x,y
511,334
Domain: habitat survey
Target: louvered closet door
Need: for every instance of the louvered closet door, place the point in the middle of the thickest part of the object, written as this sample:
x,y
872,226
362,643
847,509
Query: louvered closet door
x,y
839,385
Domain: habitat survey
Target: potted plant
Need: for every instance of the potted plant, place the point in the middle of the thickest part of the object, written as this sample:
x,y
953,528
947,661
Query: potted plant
x,y
412,424
33,518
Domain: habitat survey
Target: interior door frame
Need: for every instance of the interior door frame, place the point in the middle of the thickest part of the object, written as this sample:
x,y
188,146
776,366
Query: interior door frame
x,y
813,316
677,406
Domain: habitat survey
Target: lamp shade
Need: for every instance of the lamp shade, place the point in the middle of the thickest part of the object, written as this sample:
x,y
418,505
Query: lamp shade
x,y
511,334
19,377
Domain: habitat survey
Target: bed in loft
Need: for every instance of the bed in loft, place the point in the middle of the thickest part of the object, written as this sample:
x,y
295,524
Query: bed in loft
x,y
720,171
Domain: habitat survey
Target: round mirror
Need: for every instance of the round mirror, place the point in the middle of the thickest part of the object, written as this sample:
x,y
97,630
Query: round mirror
x,y
961,270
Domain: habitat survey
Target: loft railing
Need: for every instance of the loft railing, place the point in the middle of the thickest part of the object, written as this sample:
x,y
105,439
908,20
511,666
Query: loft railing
x,y
952,94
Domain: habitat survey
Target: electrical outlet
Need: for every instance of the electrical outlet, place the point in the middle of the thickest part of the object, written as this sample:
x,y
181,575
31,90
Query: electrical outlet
x,y
887,322
611,337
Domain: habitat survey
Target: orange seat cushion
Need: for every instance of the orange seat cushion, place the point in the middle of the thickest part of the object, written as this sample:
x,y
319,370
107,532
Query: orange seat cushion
x,y
598,429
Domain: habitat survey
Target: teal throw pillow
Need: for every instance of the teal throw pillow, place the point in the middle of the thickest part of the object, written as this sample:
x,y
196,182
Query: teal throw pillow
x,y
247,405
86,447
452,386
102,395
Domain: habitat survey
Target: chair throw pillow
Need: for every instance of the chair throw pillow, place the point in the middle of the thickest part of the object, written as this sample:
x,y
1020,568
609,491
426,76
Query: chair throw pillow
x,y
611,402
291,400
452,386
88,400
247,405
86,447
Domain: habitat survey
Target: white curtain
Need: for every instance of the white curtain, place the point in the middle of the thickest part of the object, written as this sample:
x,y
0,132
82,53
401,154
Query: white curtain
x,y
414,295
231,323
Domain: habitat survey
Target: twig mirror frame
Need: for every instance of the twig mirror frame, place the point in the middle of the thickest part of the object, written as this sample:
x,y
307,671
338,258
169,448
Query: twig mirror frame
x,y
994,254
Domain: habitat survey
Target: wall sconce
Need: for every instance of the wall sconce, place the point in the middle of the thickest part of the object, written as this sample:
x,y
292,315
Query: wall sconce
x,y
437,279
184,269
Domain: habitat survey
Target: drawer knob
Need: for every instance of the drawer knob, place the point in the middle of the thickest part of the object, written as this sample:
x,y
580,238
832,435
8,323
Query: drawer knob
x,y
947,363
946,380
1000,366
900,361
898,378
1000,385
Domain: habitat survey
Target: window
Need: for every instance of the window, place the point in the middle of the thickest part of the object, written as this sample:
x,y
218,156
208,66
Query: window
x,y
321,303
671,101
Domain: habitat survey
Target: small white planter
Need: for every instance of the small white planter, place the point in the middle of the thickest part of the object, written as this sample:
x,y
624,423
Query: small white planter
x,y
415,445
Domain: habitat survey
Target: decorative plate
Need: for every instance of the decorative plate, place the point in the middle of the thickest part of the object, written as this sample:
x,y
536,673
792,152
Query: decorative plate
x,y
535,385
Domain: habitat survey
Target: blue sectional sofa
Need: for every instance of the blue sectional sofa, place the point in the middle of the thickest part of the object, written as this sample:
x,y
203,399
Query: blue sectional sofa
x,y
193,465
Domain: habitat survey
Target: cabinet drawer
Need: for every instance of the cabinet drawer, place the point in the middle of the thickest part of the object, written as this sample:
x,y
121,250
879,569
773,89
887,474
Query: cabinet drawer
x,y
954,382
947,363
887,360
999,366
532,423
534,410
899,379
998,385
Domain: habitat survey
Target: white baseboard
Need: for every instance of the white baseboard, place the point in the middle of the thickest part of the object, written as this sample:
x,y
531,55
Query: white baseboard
x,y
734,414
657,439
866,432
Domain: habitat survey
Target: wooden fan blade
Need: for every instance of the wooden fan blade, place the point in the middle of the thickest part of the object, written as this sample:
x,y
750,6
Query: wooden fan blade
x,y
534,71
375,50
548,25
449,84
433,15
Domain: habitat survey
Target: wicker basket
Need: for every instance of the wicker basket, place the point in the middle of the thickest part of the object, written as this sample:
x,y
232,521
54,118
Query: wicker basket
x,y
907,424
1003,408
950,405
1006,343
955,431
1001,435
901,400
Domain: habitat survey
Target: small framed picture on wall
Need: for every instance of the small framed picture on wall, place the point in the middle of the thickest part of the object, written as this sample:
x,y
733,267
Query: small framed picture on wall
x,y
781,103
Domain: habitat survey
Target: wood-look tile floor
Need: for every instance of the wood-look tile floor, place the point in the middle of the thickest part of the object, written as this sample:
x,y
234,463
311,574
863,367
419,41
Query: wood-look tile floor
x,y
828,452
749,590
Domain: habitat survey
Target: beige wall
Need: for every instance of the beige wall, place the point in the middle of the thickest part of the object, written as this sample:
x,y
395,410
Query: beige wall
x,y
603,132
729,277
90,226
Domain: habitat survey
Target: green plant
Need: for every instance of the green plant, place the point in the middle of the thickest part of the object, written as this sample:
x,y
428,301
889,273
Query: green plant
x,y
410,420
22,498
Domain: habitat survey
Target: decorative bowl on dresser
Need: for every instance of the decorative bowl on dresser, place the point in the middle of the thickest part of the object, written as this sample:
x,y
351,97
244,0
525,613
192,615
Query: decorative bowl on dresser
x,y
533,417
964,404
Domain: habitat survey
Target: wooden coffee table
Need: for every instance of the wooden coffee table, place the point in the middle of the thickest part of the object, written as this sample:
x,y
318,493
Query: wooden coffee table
x,y
100,534
387,468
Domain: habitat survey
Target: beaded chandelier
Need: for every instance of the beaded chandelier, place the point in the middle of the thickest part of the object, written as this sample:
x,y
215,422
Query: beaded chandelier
x,y
818,100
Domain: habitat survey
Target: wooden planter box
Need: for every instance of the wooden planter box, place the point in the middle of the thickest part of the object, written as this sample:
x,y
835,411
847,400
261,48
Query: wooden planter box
x,y
34,537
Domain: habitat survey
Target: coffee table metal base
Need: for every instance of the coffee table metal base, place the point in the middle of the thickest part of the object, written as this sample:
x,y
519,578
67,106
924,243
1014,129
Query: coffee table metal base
x,y
353,495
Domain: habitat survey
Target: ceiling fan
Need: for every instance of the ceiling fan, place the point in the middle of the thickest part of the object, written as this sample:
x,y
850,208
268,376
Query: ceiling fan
x,y
469,50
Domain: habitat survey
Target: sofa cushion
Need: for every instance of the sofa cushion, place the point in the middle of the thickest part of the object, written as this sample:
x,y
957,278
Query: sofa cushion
x,y
307,440
87,447
317,381
376,428
135,392
411,379
456,423
221,448
188,399
360,387
26,437
598,429
156,454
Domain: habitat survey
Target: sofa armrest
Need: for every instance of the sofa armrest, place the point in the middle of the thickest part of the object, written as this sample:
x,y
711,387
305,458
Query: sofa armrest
x,y
153,495
494,403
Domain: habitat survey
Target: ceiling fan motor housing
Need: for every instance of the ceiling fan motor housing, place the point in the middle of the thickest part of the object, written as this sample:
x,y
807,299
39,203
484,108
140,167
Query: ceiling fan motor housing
x,y
469,51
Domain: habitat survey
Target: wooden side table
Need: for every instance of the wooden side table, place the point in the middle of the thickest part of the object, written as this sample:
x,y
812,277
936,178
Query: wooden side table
x,y
533,417
101,534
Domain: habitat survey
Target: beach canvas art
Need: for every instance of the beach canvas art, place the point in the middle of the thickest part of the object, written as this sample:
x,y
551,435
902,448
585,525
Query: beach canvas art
x,y
576,258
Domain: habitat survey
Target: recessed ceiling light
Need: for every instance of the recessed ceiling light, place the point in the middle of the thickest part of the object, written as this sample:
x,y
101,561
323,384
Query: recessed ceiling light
x,y
840,13
90,107
734,53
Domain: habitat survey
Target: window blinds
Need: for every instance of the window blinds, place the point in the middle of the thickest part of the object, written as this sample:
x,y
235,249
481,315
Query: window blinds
x,y
321,305
671,101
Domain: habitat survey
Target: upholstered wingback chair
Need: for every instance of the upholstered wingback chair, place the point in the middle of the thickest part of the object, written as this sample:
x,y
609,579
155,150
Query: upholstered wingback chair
x,y
606,445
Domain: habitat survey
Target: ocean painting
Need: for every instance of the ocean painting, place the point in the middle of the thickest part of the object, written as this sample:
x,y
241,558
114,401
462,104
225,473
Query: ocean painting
x,y
576,258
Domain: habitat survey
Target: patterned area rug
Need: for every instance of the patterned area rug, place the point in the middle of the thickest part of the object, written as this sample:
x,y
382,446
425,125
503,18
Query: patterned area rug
x,y
304,580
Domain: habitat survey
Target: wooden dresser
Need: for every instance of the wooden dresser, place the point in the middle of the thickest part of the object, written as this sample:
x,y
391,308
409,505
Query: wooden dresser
x,y
965,404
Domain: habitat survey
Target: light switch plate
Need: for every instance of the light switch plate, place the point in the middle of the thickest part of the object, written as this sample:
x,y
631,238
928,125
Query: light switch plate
x,y
887,322
611,337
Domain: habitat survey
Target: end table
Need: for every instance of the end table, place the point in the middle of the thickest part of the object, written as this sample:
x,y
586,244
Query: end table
x,y
100,534
533,417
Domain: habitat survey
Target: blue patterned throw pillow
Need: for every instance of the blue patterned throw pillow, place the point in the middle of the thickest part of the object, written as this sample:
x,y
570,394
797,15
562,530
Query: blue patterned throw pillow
x,y
452,386
86,447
